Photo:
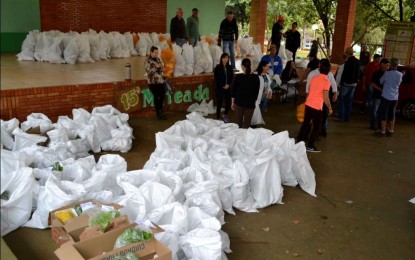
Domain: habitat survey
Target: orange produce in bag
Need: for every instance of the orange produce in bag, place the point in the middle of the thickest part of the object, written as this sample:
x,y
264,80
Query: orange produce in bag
x,y
161,38
170,43
136,38
208,40
300,112
167,55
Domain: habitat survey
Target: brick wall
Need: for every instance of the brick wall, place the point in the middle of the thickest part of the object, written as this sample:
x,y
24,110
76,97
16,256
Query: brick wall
x,y
114,15
343,31
60,100
258,20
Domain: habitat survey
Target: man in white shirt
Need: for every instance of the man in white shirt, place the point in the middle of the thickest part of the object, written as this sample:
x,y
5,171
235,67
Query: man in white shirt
x,y
333,85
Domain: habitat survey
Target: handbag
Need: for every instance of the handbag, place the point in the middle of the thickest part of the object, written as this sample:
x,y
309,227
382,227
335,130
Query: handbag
x,y
168,87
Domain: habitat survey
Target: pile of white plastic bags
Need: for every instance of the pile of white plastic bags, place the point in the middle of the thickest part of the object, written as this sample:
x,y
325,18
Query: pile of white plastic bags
x,y
200,169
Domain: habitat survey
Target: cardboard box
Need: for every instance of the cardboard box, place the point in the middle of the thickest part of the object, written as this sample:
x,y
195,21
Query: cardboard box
x,y
73,228
101,248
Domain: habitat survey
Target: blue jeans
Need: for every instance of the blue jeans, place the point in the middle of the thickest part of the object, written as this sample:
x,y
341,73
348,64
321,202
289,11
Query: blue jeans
x,y
180,41
264,104
194,41
230,45
374,106
345,101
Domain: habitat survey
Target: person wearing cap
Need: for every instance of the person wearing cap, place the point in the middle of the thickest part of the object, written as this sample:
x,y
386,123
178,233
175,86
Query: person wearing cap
x,y
277,32
348,83
391,81
377,88
293,41
192,27
178,31
370,68
228,36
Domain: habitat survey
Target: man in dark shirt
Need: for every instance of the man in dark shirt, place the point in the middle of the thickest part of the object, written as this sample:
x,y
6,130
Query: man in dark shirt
x,y
377,93
293,41
348,84
228,36
178,31
277,32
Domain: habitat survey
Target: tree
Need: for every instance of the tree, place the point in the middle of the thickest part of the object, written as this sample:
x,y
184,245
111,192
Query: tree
x,y
372,18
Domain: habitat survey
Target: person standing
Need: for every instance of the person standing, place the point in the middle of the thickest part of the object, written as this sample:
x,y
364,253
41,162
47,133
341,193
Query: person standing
x,y
377,88
192,27
348,83
314,49
319,94
370,68
223,77
293,41
391,81
277,32
154,69
245,90
178,31
228,36
332,93
364,57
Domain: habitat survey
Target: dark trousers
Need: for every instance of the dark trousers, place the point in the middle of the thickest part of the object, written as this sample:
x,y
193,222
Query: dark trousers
x,y
223,94
159,92
324,116
387,109
244,116
312,118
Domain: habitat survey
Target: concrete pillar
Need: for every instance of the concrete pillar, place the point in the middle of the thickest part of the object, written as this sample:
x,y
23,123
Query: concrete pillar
x,y
258,21
343,30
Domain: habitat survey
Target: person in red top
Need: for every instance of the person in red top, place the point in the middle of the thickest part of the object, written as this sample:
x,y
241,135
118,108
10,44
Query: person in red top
x,y
319,93
367,77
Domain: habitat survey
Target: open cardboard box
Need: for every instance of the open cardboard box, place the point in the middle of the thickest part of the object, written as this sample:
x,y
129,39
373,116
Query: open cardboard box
x,y
77,229
101,248
73,228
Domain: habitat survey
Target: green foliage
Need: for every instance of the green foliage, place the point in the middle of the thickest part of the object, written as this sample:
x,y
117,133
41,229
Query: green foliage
x,y
372,18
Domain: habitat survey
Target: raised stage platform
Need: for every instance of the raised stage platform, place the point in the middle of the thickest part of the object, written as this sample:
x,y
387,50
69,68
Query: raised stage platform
x,y
55,89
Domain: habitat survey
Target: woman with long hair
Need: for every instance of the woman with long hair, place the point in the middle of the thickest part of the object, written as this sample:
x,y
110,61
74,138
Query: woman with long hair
x,y
154,68
289,72
245,90
264,93
223,78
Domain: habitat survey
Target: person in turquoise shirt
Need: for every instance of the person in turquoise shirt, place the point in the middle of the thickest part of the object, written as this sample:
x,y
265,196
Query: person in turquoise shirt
x,y
192,27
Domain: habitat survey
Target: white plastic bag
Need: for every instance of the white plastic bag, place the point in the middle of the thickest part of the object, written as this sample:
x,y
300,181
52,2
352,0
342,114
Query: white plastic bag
x,y
241,193
202,244
37,120
28,47
54,52
129,39
23,140
16,210
199,219
71,52
84,49
171,216
53,195
302,170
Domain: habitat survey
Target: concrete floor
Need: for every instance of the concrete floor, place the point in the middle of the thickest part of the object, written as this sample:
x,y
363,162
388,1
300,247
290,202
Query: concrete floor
x,y
361,210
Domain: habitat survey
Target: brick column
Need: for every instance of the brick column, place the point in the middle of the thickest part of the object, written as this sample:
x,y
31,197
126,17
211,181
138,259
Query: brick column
x,y
258,20
343,30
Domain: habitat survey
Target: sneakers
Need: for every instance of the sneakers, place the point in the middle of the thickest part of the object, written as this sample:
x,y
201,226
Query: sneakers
x,y
312,149
225,119
380,133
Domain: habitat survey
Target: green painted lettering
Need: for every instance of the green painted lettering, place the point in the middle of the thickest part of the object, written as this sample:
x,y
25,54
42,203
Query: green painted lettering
x,y
187,96
168,98
147,98
178,97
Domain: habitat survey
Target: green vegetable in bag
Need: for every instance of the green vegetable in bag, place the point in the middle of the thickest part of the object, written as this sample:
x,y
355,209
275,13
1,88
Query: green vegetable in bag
x,y
129,256
103,219
5,195
132,235
57,167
